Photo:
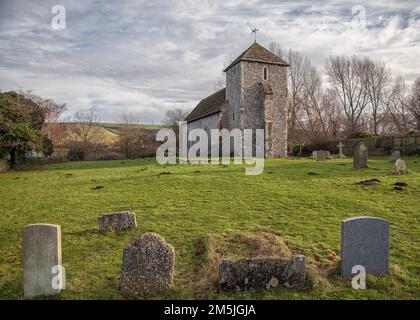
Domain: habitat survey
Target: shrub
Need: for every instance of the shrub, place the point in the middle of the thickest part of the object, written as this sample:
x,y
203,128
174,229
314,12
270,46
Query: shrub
x,y
413,151
76,155
389,149
297,149
360,134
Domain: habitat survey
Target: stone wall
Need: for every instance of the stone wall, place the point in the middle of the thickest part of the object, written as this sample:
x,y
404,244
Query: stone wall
x,y
207,123
255,110
377,146
231,112
246,106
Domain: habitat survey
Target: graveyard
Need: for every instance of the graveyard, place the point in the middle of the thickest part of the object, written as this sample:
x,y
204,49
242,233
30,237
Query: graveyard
x,y
212,212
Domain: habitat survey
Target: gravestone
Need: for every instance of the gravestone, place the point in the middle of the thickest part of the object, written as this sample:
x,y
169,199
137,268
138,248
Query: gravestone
x,y
3,165
400,167
261,273
365,242
321,155
117,221
41,253
148,265
360,156
340,149
395,156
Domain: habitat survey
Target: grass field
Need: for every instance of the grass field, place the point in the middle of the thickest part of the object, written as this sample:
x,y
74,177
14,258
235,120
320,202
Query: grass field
x,y
195,202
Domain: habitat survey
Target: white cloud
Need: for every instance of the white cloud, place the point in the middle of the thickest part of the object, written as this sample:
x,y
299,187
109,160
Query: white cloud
x,y
147,57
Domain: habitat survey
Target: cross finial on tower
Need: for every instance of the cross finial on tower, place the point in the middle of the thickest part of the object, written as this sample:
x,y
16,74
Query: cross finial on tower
x,y
254,31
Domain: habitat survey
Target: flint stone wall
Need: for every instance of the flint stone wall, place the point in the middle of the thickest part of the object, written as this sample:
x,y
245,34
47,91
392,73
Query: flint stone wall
x,y
261,273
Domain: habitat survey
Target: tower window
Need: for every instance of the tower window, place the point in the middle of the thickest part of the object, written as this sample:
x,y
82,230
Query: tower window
x,y
233,115
265,73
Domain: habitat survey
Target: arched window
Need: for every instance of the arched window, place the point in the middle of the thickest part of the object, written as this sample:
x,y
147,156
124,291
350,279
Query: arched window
x,y
265,73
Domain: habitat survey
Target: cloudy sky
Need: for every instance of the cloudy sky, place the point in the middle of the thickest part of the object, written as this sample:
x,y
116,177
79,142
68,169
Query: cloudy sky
x,y
147,57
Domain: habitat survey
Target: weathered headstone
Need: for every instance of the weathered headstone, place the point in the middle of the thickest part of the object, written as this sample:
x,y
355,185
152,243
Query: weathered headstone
x,y
340,149
41,257
321,155
360,156
400,167
395,156
117,221
3,165
148,265
365,242
261,273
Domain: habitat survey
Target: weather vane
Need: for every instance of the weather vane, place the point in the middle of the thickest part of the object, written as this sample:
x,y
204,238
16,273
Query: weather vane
x,y
254,31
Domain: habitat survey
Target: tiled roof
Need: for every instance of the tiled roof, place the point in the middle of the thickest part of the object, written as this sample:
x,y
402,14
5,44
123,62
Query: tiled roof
x,y
208,106
258,53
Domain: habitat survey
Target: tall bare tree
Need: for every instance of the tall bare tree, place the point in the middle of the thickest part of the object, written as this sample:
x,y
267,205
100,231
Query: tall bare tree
x,y
303,79
51,108
414,102
85,127
131,137
377,77
398,116
320,117
348,78
174,116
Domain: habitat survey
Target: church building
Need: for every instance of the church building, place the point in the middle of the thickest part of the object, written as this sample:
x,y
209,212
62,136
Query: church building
x,y
254,98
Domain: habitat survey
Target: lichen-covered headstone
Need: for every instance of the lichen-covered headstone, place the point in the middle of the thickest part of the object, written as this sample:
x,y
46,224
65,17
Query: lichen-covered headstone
x,y
41,258
261,273
117,221
360,156
148,265
400,167
365,242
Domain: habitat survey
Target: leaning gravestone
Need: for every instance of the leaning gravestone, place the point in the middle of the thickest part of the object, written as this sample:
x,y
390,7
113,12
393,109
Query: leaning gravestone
x,y
41,253
400,167
395,156
261,273
117,221
148,265
360,156
365,242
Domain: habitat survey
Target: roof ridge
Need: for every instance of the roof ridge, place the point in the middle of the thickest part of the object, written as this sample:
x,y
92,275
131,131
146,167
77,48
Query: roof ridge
x,y
256,52
208,105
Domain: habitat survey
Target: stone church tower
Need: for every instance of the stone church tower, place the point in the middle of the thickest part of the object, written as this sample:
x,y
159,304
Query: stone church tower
x,y
254,98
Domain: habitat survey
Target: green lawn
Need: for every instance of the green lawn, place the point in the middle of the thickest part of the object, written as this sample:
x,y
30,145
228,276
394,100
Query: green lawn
x,y
195,201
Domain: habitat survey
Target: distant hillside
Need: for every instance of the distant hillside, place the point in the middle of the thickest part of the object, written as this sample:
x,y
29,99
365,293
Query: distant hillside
x,y
116,127
106,132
